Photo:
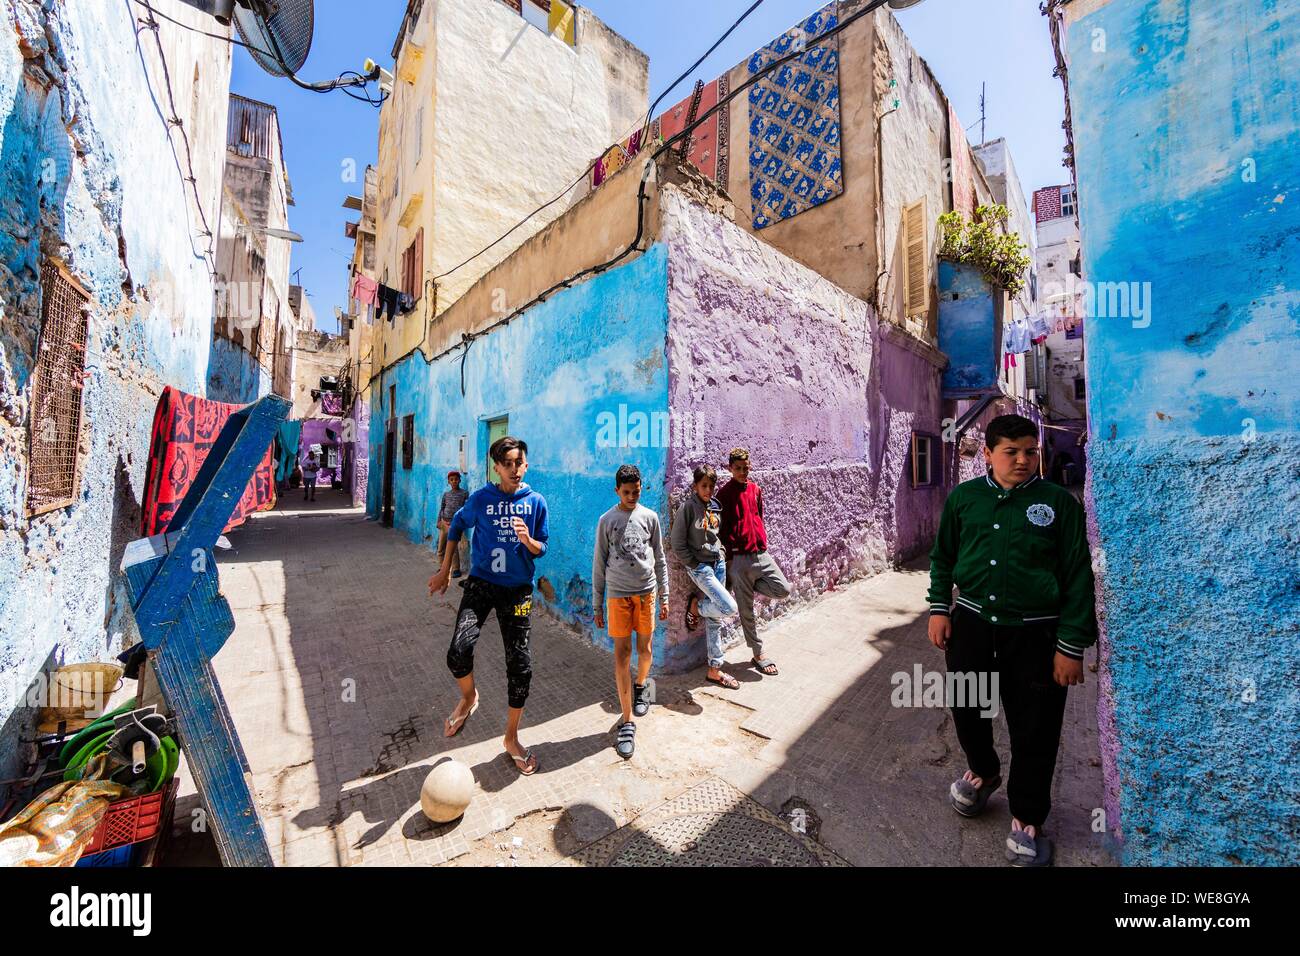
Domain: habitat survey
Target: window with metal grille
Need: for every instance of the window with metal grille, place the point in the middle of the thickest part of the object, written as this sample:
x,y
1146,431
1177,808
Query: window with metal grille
x,y
54,430
408,442
1080,390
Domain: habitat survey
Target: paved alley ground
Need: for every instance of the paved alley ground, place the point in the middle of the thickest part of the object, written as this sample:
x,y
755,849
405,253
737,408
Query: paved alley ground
x,y
336,679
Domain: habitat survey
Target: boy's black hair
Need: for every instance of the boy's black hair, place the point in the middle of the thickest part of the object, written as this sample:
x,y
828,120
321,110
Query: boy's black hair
x,y
737,454
705,471
627,474
504,446
1010,427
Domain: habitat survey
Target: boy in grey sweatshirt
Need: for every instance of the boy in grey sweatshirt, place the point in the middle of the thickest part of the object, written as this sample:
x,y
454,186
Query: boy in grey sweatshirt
x,y
627,569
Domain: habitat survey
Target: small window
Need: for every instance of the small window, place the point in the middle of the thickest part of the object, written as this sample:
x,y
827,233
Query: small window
x,y
408,442
1080,392
1067,201
54,432
926,467
916,266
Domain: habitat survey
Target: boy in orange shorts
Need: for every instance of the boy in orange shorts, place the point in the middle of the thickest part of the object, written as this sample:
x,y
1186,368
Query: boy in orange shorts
x,y
628,568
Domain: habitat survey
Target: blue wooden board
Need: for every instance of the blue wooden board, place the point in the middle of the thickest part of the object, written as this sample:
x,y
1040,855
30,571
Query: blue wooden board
x,y
184,621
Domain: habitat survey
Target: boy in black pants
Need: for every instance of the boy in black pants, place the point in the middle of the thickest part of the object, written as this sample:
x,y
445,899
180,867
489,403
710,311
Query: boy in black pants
x,y
1015,546
511,529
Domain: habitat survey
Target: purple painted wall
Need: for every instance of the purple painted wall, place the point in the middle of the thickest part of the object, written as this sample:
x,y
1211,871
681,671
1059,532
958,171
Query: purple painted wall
x,y
360,451
766,354
314,433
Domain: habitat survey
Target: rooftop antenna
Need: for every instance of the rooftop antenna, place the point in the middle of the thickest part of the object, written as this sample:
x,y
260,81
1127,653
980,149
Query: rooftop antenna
x,y
983,114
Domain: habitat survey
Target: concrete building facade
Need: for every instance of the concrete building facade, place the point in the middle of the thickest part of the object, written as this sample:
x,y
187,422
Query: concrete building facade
x,y
253,325
1192,410
363,336
107,270
490,118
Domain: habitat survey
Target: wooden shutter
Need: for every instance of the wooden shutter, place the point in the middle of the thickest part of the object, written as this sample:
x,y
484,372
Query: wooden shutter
x,y
417,292
916,260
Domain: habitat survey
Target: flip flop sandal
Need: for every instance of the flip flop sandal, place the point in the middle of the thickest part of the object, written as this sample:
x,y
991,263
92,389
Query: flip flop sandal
x,y
455,726
521,763
1024,850
970,801
726,681
692,619
626,744
763,665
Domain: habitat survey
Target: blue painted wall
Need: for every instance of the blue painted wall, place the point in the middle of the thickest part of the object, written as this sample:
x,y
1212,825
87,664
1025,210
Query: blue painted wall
x,y
968,331
1187,129
234,376
582,354
89,171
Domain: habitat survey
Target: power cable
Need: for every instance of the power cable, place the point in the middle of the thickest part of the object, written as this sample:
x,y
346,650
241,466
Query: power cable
x,y
152,25
468,338
644,126
328,86
693,67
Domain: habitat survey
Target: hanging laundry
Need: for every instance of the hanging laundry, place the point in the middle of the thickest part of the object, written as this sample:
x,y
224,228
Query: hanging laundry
x,y
405,303
1017,338
387,299
364,289
185,427
1039,328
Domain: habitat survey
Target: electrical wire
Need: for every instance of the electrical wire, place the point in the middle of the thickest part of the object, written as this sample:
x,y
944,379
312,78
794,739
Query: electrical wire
x,y
644,125
468,338
695,66
153,26
326,87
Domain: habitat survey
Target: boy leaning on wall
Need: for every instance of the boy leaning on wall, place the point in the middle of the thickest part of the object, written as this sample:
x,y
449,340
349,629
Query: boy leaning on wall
x,y
1016,548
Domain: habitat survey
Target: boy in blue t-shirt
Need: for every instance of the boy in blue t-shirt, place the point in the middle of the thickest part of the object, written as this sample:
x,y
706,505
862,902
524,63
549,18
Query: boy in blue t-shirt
x,y
510,531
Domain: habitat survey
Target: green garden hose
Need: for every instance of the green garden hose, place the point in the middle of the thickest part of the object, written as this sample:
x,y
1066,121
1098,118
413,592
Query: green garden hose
x,y
78,741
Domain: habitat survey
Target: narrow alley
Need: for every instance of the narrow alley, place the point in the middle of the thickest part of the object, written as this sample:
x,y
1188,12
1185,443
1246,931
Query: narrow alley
x,y
336,679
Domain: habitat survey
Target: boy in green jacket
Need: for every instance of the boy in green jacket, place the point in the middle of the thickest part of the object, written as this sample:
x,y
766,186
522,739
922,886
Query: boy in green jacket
x,y
1016,548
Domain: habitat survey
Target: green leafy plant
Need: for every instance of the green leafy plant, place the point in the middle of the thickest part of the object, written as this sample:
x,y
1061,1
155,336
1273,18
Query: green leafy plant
x,y
1000,256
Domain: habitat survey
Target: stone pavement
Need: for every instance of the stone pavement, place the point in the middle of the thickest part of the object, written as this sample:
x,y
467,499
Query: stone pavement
x,y
337,682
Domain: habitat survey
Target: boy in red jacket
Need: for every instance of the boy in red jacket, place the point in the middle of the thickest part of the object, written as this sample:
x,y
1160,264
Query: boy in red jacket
x,y
750,568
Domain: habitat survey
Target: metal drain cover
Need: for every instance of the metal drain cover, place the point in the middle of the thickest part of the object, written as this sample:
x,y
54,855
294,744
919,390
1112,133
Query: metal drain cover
x,y
712,824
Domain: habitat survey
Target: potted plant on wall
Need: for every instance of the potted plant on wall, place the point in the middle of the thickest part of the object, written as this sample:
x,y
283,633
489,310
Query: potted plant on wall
x,y
979,264
980,242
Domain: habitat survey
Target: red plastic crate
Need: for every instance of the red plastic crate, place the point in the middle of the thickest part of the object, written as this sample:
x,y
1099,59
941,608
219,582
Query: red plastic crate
x,y
128,824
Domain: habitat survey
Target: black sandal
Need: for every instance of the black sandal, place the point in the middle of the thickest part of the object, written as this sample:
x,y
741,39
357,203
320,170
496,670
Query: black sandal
x,y
691,619
766,666
626,744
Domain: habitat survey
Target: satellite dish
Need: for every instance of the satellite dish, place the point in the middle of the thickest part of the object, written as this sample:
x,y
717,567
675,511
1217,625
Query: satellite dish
x,y
278,32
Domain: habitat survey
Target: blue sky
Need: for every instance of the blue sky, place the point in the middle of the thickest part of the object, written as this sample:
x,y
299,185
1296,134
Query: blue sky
x,y
1003,43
